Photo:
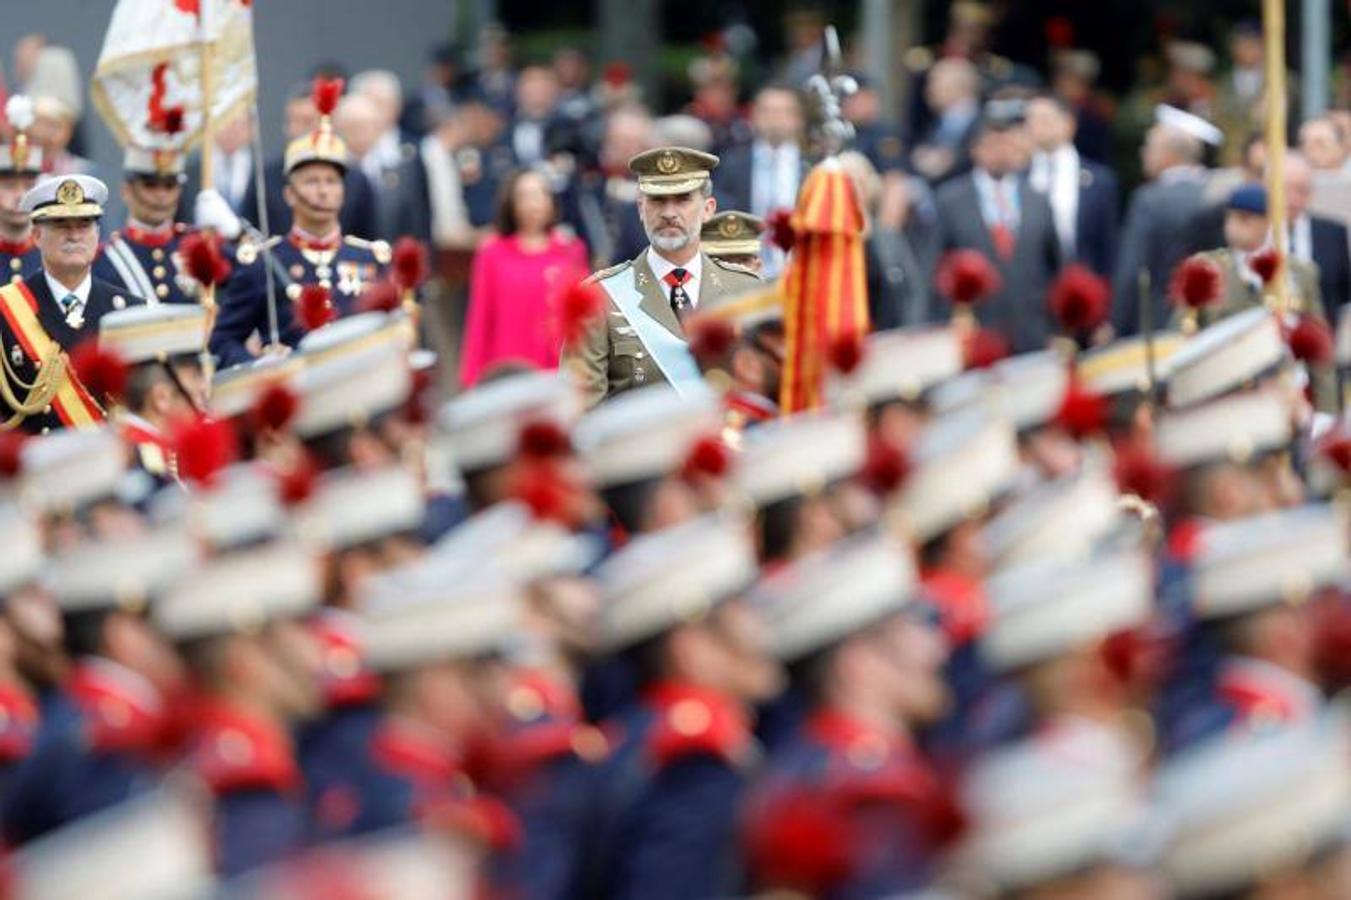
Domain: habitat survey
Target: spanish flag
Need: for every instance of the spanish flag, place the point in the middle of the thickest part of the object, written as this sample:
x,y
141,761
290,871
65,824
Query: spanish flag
x,y
824,290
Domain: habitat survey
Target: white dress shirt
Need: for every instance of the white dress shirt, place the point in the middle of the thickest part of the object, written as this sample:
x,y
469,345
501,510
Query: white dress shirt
x,y
1056,175
1301,238
661,267
775,173
234,171
992,210
59,291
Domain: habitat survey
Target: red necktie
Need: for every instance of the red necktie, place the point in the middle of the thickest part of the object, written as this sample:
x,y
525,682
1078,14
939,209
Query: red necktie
x,y
680,301
1001,233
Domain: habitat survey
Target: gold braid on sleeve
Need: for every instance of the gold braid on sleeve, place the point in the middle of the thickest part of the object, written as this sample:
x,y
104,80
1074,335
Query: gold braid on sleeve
x,y
38,395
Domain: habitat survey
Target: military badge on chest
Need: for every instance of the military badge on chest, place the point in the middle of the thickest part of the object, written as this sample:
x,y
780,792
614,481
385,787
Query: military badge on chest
x,y
16,356
353,277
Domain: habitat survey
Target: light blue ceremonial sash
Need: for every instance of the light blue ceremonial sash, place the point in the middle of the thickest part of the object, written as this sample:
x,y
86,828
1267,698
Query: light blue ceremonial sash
x,y
670,353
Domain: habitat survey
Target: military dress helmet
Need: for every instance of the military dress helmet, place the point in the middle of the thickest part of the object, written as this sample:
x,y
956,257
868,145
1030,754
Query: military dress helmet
x,y
20,156
320,145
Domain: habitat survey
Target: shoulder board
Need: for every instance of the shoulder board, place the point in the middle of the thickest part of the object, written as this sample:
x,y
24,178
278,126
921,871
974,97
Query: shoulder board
x,y
917,59
733,267
379,249
247,251
607,273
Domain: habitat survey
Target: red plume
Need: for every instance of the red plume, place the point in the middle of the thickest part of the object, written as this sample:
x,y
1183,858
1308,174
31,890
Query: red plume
x,y
886,466
202,447
102,372
275,408
578,306
1337,448
846,352
314,307
1079,299
1082,413
408,263
327,92
711,338
709,457
966,277
1265,263
296,484
380,296
983,348
800,841
1311,341
1197,282
780,228
203,258
1059,32
11,452
543,439
1140,472
417,411
616,74
546,489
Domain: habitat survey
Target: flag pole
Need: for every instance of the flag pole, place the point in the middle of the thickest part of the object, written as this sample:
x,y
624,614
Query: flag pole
x,y
1273,28
208,126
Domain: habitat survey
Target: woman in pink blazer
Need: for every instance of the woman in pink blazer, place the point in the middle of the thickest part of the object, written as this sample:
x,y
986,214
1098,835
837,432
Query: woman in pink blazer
x,y
516,274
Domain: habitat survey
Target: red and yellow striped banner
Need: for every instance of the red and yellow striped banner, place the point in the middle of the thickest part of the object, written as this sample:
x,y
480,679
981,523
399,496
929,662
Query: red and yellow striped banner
x,y
72,403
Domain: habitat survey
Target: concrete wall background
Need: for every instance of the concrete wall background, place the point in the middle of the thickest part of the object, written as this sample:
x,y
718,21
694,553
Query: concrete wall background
x,y
291,37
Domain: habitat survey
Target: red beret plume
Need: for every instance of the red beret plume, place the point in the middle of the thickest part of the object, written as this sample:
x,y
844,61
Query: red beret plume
x,y
1082,413
711,338
1079,299
102,372
1265,263
983,348
203,258
274,409
11,452
846,352
966,277
327,92
800,841
542,440
579,305
1140,472
1311,341
202,447
408,263
314,307
709,457
886,466
779,225
617,74
296,484
1197,282
380,296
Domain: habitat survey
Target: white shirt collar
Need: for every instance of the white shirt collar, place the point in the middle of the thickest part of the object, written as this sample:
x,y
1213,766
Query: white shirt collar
x,y
661,266
59,290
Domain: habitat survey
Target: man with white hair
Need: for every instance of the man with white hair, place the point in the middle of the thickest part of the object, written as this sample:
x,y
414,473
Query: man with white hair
x,y
1316,239
391,148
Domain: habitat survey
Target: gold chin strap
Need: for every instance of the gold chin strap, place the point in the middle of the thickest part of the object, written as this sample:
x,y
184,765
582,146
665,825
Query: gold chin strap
x,y
50,375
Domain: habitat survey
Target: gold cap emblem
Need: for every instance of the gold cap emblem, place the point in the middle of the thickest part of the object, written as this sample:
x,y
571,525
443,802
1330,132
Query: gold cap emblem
x,y
730,227
70,193
667,164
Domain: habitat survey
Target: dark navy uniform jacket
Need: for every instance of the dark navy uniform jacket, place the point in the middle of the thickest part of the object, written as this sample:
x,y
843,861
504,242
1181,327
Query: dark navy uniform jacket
x,y
19,259
346,266
148,264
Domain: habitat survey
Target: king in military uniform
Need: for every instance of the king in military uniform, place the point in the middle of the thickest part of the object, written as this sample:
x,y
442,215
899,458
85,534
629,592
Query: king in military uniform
x,y
314,252
642,339
54,309
143,256
20,165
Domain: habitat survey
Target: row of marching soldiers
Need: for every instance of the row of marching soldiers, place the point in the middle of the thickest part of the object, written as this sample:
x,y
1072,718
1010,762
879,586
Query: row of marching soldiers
x,y
1054,625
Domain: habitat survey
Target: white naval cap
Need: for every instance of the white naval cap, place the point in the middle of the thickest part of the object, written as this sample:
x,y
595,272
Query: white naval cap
x,y
352,507
242,507
482,427
901,365
1225,357
1026,389
661,579
644,434
147,333
822,599
508,536
241,591
23,557
1244,807
354,369
1269,559
961,464
1235,428
63,471
128,572
65,197
801,454
1039,610
1189,124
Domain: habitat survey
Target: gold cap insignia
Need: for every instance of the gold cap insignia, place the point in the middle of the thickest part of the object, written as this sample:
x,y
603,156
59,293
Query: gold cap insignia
x,y
667,164
730,227
70,193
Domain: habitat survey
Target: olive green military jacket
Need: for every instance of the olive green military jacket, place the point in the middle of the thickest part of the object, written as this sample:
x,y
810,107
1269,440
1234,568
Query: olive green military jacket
x,y
611,357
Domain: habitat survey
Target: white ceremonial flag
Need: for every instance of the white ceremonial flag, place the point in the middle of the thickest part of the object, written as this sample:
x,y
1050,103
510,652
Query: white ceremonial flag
x,y
152,60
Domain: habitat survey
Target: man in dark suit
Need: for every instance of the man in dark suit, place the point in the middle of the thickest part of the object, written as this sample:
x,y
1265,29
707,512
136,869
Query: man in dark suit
x,y
995,210
1160,216
1316,239
1082,194
765,174
56,308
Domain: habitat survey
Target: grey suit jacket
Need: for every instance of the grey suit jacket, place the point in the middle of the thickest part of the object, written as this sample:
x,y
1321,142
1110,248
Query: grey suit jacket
x,y
1154,239
1019,309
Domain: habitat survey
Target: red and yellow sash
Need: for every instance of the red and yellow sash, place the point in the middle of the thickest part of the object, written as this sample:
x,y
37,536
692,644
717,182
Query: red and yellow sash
x,y
72,403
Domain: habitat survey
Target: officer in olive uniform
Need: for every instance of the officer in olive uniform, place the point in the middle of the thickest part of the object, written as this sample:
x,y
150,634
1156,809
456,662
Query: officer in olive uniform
x,y
315,251
20,166
733,237
142,255
641,340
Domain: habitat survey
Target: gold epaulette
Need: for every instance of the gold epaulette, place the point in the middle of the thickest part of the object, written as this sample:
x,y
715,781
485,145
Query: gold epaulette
x,y
379,249
607,273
